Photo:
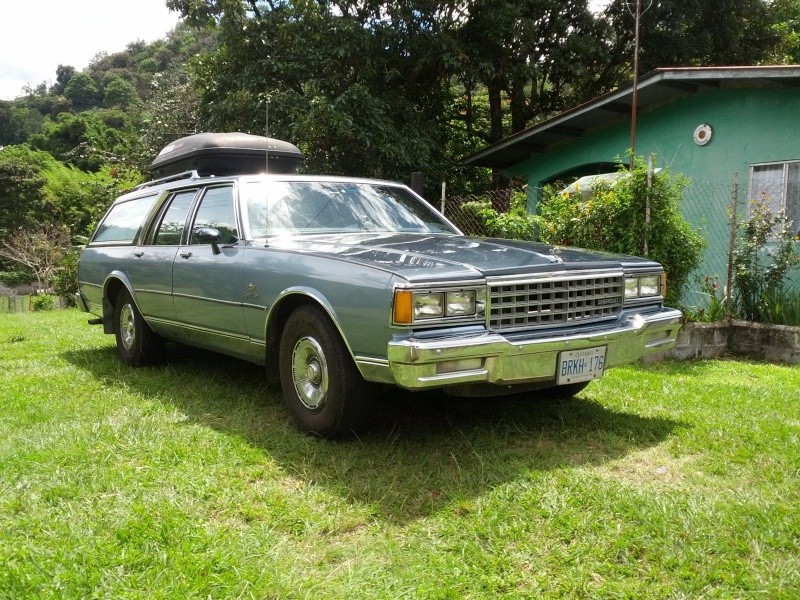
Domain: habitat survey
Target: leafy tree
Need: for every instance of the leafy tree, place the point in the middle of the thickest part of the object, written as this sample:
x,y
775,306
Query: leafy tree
x,y
18,122
63,75
118,93
526,51
359,86
786,17
87,140
36,189
383,88
171,111
523,53
22,184
677,33
82,91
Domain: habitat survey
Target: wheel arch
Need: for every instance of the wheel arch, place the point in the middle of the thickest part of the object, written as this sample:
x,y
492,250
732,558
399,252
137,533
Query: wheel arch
x,y
278,314
114,283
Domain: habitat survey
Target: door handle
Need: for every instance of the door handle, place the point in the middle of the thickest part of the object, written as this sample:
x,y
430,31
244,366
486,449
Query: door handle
x,y
185,254
139,253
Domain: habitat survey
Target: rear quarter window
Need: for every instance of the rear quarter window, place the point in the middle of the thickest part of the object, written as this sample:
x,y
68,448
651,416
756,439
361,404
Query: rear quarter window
x,y
124,221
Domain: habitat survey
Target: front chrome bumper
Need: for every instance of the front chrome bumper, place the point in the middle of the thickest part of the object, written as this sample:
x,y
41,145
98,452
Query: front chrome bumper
x,y
417,363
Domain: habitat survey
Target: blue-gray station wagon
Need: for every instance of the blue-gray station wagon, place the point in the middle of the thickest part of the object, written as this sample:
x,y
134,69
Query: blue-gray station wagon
x,y
340,285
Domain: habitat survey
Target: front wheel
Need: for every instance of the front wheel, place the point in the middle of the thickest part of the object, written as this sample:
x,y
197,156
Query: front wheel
x,y
137,344
324,392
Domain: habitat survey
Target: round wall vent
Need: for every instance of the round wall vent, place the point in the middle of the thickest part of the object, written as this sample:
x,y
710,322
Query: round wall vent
x,y
702,134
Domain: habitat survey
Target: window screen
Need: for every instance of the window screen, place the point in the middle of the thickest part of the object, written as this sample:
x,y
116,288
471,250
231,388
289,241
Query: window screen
x,y
777,186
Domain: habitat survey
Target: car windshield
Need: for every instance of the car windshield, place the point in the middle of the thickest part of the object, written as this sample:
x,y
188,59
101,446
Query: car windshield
x,y
305,207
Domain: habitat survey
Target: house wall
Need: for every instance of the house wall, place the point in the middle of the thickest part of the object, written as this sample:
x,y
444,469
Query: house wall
x,y
750,125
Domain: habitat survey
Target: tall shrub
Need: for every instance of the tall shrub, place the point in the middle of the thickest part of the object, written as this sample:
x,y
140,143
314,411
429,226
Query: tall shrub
x,y
613,218
765,253
515,224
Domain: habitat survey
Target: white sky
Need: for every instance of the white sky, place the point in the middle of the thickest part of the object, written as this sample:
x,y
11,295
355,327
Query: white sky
x,y
38,35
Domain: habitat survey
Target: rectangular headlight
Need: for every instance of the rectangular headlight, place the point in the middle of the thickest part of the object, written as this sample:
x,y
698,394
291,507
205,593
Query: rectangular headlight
x,y
460,303
631,288
646,286
428,305
649,286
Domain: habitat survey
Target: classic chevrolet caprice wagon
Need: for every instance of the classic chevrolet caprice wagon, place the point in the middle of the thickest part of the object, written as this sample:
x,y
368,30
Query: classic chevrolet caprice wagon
x,y
338,284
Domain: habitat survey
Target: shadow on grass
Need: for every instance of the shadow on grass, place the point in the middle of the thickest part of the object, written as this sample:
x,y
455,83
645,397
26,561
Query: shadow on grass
x,y
419,452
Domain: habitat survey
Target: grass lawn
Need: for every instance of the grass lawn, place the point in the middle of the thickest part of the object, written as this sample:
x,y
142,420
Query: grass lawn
x,y
679,480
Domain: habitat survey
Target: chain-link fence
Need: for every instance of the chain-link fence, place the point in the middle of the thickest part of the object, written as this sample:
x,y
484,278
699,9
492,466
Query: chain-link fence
x,y
713,209
469,214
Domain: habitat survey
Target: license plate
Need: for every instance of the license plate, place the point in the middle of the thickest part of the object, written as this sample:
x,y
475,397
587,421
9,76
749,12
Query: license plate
x,y
580,365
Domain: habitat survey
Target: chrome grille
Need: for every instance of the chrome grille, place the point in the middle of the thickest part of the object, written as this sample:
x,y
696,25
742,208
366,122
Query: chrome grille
x,y
555,301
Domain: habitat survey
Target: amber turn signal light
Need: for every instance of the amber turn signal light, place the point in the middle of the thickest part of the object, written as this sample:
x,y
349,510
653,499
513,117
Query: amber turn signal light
x,y
403,312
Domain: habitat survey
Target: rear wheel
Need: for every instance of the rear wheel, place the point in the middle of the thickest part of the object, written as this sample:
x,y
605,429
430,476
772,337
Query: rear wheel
x,y
324,392
137,344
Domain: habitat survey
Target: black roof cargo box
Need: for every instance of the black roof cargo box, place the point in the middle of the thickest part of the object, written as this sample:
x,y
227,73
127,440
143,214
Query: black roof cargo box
x,y
226,154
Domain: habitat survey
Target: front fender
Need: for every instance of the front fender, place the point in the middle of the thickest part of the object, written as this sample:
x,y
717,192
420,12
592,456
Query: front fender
x,y
293,296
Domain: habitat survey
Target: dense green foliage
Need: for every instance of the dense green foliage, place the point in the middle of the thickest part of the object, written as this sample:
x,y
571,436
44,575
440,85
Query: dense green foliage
x,y
37,189
615,219
706,33
479,217
765,253
67,149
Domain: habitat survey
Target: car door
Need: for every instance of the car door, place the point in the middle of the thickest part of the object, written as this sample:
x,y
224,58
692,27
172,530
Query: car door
x,y
206,278
151,263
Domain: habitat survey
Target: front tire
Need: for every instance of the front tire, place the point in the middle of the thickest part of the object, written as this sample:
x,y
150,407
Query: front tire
x,y
137,344
324,392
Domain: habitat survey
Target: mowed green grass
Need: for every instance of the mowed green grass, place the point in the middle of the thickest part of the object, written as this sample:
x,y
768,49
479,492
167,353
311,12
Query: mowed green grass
x,y
188,480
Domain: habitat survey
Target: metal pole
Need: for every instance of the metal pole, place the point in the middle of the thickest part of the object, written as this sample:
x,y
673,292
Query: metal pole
x,y
732,246
647,206
266,134
444,186
635,99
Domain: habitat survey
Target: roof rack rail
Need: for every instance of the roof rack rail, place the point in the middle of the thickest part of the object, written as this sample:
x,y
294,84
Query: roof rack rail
x,y
176,177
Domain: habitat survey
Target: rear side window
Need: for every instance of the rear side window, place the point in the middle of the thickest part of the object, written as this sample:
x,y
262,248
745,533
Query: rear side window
x,y
124,221
170,230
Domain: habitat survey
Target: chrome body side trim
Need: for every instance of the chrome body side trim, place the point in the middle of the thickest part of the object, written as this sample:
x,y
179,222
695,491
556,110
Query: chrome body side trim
x,y
374,369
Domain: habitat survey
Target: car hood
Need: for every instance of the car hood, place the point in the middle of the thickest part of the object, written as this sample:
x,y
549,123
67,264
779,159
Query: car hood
x,y
420,257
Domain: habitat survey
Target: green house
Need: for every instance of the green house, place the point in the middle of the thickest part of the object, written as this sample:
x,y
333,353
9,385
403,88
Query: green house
x,y
717,126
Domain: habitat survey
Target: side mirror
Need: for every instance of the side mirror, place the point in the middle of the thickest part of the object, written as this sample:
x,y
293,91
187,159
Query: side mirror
x,y
209,235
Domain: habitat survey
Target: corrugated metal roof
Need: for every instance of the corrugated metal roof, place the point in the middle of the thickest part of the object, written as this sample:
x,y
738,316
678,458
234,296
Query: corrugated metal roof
x,y
658,87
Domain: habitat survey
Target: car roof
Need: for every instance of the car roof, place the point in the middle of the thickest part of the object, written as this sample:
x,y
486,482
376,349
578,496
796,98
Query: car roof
x,y
193,178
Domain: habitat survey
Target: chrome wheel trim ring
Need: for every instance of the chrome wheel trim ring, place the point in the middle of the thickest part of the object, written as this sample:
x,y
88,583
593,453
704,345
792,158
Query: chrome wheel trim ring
x,y
127,326
310,373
